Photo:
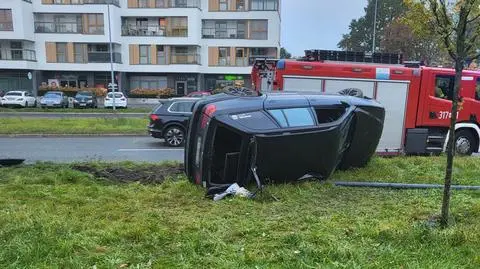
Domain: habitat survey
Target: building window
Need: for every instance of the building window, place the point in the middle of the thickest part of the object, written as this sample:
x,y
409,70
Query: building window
x,y
179,26
148,82
143,3
269,5
161,59
17,50
223,5
95,24
144,54
61,52
79,53
223,56
240,5
160,4
240,59
221,29
259,30
6,23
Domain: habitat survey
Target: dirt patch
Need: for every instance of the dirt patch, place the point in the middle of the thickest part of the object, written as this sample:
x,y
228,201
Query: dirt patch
x,y
144,175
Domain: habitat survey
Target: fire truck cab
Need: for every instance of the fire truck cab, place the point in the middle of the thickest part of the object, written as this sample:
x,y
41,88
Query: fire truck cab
x,y
417,98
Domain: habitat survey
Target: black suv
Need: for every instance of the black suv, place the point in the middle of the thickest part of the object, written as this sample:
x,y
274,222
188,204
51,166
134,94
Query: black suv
x,y
85,99
170,120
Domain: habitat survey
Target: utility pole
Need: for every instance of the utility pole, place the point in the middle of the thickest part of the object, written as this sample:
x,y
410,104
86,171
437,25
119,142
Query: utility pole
x,y
112,84
374,26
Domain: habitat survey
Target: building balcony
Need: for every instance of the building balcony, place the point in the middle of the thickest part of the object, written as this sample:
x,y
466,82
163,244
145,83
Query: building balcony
x,y
6,26
153,30
81,2
56,27
17,55
185,58
164,4
224,33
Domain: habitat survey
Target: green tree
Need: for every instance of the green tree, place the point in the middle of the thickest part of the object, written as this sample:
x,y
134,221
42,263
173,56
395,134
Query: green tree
x,y
457,25
360,37
284,54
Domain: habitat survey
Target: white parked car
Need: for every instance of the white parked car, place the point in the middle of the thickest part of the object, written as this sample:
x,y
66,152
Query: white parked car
x,y
120,100
19,99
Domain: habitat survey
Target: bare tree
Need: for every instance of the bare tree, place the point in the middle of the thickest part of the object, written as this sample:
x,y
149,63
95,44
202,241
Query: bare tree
x,y
457,25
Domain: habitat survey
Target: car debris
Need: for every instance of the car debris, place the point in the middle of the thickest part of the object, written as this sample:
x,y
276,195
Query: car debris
x,y
257,138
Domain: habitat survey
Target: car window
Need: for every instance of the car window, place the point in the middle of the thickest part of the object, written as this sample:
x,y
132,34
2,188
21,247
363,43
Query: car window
x,y
280,117
254,120
117,95
181,107
293,117
87,94
13,94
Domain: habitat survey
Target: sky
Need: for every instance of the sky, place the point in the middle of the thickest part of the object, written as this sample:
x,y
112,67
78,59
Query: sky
x,y
317,24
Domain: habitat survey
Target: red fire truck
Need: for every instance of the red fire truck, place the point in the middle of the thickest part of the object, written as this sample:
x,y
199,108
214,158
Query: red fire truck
x,y
417,98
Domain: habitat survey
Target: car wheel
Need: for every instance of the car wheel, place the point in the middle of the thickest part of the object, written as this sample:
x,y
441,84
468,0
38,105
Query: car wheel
x,y
26,104
35,103
174,136
464,143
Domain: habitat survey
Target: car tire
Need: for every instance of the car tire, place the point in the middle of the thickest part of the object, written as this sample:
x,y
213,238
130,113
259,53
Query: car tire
x,y
35,103
174,136
465,142
25,105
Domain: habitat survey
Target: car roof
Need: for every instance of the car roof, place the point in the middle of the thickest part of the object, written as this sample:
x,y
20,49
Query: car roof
x,y
16,91
184,99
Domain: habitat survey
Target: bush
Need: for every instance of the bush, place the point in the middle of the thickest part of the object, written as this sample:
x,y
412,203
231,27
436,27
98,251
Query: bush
x,y
151,93
71,91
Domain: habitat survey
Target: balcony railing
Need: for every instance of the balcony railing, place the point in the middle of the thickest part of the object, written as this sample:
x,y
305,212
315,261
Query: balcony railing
x,y
169,4
101,2
150,30
104,57
185,58
58,27
153,30
18,55
6,26
223,33
87,2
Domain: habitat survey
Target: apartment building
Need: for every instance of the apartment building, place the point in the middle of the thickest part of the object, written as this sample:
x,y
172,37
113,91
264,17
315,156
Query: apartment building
x,y
186,45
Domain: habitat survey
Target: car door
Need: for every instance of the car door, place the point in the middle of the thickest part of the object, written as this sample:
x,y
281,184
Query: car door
x,y
31,100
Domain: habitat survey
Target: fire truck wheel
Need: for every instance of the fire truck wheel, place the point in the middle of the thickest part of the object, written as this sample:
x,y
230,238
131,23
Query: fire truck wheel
x,y
464,142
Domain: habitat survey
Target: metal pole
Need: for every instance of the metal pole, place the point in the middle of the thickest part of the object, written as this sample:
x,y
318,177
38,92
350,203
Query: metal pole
x,y
374,26
111,56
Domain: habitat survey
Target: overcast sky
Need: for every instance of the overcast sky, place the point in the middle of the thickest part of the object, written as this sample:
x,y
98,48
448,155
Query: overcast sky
x,y
317,24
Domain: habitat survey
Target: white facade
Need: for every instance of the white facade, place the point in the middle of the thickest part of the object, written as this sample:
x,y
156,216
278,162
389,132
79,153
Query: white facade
x,y
24,29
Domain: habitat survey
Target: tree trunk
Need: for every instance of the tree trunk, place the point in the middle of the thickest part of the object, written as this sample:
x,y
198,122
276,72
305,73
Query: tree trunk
x,y
451,147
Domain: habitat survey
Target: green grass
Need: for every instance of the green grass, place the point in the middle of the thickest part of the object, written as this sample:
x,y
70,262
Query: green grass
x,y
73,126
54,217
72,110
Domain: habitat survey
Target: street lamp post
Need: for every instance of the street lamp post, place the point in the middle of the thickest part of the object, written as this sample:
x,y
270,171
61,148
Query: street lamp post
x,y
374,26
112,84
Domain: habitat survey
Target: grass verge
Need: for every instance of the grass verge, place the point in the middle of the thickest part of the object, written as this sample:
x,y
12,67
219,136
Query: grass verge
x,y
73,126
72,110
55,217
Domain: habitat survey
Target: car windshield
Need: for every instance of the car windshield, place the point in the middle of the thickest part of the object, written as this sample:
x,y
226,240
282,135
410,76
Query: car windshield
x,y
117,95
13,94
84,94
52,95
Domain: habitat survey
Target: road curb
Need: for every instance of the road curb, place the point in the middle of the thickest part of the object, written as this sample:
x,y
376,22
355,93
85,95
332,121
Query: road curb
x,y
70,135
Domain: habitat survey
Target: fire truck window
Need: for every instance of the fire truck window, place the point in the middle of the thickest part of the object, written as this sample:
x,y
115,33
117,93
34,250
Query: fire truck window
x,y
444,87
477,90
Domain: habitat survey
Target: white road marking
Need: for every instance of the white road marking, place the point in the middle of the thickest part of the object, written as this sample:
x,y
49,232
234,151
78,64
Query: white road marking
x,y
149,149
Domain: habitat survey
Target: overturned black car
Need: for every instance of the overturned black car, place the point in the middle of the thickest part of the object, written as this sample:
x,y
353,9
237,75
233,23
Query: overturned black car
x,y
279,137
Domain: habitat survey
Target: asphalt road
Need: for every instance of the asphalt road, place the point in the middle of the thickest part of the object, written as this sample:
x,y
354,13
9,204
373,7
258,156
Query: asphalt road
x,y
75,149
71,115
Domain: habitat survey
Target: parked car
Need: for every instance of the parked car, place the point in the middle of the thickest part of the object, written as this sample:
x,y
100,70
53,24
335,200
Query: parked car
x,y
120,100
279,137
199,94
85,99
170,120
54,99
19,99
